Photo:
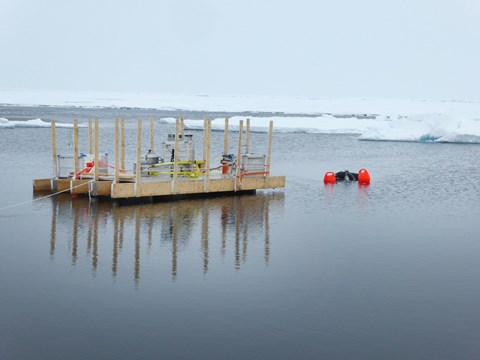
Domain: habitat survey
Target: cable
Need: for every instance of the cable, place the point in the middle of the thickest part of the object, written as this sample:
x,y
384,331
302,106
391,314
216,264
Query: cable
x,y
43,197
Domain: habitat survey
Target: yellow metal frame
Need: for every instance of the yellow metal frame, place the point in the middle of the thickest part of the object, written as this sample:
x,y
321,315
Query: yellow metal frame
x,y
198,164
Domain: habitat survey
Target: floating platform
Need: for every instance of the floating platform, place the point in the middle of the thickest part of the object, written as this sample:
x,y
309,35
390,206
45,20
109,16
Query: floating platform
x,y
151,176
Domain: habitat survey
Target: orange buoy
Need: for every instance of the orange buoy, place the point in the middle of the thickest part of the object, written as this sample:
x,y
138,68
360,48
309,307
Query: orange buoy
x,y
330,178
363,177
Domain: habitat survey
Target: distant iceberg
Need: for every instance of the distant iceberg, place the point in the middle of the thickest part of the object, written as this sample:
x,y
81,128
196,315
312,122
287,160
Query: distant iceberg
x,y
435,127
325,124
424,128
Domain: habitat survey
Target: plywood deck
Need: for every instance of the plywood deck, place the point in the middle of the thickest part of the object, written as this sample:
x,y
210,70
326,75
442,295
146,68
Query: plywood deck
x,y
165,188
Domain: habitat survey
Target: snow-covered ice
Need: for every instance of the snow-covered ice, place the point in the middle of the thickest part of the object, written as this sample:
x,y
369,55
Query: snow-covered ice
x,y
33,123
373,119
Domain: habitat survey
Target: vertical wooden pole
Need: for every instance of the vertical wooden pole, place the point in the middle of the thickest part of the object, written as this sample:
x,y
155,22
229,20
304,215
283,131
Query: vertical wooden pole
x,y
75,148
152,127
205,138
122,153
225,137
207,160
247,137
54,150
269,156
90,136
96,157
139,156
182,127
117,153
175,155
239,152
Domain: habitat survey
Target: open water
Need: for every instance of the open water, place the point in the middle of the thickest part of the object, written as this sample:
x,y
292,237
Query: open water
x,y
387,271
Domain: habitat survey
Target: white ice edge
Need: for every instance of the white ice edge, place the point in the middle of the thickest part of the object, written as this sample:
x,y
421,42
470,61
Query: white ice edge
x,y
420,127
33,123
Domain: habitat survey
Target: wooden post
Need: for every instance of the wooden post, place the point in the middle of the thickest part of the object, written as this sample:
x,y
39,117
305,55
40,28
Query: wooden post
x,y
90,136
152,141
269,155
139,156
117,153
96,157
175,154
225,137
122,135
239,153
182,127
75,148
204,138
54,150
207,160
247,137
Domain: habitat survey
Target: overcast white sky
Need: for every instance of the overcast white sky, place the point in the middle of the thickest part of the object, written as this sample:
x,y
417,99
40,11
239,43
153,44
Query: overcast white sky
x,y
338,48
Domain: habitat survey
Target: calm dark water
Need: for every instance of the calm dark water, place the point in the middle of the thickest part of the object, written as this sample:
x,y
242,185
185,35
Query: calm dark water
x,y
389,271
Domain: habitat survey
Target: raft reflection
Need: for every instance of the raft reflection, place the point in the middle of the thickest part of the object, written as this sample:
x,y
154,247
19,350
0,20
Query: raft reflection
x,y
176,226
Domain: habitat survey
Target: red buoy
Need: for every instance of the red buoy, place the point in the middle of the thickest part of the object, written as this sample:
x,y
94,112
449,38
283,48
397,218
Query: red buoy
x,y
363,177
330,178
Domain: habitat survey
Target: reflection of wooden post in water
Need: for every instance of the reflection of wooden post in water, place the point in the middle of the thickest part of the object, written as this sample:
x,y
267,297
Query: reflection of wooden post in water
x,y
95,242
76,209
150,233
89,234
173,215
267,232
137,246
245,232
115,241
53,229
237,237
205,236
224,221
122,228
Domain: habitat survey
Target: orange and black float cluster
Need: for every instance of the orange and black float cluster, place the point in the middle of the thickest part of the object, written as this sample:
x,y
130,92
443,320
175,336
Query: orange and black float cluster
x,y
363,177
